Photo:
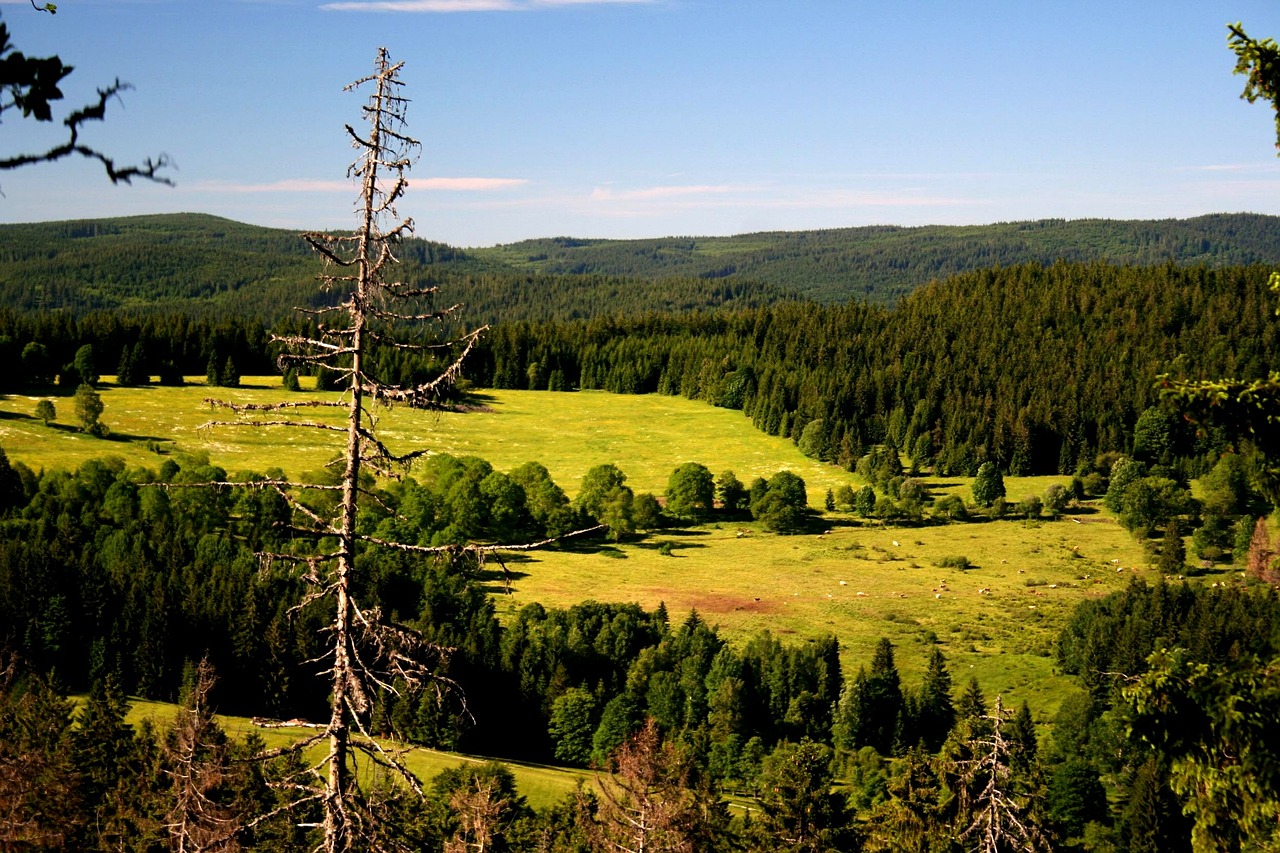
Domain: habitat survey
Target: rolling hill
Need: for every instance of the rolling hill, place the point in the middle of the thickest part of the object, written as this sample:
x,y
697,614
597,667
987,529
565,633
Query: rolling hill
x,y
206,266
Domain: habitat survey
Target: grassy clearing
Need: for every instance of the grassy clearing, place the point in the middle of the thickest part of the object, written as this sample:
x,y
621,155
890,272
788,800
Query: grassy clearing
x,y
866,582
569,433
541,784
858,581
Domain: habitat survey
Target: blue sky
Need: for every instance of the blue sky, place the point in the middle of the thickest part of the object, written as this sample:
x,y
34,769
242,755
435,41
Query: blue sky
x,y
610,118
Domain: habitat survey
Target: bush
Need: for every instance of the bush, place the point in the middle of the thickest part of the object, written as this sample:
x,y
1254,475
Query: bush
x,y
1029,507
955,562
952,507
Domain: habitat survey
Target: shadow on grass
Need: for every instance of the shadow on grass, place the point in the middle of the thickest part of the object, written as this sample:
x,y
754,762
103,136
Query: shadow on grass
x,y
668,547
1216,570
163,444
498,580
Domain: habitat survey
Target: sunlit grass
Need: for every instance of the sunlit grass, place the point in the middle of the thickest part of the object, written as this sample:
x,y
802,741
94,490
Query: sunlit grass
x,y
997,621
647,436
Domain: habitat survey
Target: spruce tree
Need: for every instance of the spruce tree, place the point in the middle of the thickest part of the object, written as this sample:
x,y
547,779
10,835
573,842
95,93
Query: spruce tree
x,y
125,369
1173,552
937,713
1152,821
882,700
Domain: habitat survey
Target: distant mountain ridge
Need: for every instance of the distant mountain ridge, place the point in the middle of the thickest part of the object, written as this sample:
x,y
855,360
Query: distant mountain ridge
x,y
201,264
880,263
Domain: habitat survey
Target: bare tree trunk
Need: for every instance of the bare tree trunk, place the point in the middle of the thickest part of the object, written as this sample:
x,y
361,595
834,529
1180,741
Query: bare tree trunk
x,y
368,652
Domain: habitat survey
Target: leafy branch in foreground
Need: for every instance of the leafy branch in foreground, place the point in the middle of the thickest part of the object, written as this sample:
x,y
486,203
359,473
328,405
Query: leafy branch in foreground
x,y
1259,62
1248,410
28,84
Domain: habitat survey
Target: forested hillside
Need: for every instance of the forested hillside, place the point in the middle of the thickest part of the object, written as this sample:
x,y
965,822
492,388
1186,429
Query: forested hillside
x,y
1035,368
204,266
880,263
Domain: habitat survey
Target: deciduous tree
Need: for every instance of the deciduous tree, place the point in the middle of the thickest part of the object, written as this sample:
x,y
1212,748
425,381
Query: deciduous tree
x,y
988,484
691,491
88,406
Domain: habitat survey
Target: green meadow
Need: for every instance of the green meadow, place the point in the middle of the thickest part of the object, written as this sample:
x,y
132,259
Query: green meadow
x,y
859,580
569,433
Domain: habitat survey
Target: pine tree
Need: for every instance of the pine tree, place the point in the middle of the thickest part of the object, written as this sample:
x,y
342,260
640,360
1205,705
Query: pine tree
x,y
229,375
937,713
972,704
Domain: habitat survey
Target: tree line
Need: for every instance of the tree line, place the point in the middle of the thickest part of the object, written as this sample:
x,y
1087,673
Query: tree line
x,y
1036,369
883,263
1033,368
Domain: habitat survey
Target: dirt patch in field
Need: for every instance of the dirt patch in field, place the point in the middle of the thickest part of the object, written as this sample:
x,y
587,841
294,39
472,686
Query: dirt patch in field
x,y
728,603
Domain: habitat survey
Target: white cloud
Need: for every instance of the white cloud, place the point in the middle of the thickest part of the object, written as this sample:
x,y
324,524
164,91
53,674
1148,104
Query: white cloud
x,y
448,6
606,194
467,184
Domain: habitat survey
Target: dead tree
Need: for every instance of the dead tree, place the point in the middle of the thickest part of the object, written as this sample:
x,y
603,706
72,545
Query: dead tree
x,y
1000,818
366,653
479,806
198,757
647,805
